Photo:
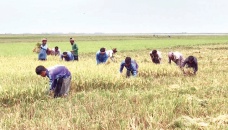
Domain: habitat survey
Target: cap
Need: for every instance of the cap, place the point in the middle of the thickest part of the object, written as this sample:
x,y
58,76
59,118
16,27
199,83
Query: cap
x,y
71,39
44,39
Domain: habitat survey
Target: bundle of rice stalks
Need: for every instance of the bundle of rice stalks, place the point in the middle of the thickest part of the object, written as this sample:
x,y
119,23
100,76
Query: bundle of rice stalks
x,y
188,71
199,101
199,123
187,122
220,120
38,45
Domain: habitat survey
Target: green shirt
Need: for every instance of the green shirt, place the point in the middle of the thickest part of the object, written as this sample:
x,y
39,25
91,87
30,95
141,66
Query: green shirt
x,y
75,49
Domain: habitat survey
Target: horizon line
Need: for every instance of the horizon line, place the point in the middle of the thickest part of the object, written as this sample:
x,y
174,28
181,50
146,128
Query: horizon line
x,y
101,33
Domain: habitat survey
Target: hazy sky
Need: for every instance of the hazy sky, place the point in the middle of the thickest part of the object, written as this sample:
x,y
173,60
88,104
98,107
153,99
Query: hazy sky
x,y
114,16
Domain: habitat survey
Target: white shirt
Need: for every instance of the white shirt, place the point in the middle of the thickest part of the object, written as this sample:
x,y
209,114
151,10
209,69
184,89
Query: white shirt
x,y
159,54
53,49
109,52
58,50
177,55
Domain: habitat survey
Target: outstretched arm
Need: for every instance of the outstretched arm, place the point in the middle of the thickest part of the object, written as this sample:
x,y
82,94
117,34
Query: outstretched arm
x,y
44,47
106,57
182,66
169,60
196,66
61,57
72,56
134,69
97,58
52,82
121,67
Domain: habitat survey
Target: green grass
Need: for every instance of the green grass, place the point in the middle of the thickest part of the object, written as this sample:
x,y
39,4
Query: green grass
x,y
161,97
14,45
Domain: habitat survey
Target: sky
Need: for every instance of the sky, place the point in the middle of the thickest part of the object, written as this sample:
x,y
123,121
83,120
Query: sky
x,y
113,16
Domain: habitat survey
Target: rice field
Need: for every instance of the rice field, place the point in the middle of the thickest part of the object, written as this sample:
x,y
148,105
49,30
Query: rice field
x,y
160,97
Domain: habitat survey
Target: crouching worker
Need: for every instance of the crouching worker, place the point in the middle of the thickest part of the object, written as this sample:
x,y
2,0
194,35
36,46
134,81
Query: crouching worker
x,y
60,78
176,57
101,56
67,56
111,54
56,51
156,56
130,65
191,62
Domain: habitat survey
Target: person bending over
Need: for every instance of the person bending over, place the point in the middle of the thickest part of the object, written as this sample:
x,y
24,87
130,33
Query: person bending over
x,y
59,79
130,65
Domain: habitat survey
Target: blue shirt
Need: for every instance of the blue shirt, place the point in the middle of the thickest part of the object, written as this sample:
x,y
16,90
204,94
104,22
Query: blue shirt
x,y
101,58
43,54
69,58
56,72
132,67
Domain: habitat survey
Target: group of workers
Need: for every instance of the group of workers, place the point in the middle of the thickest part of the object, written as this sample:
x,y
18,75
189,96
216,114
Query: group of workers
x,y
67,55
156,57
60,76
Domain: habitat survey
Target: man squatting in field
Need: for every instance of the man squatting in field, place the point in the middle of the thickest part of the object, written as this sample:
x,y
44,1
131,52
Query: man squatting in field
x,y
156,56
111,53
67,56
43,48
130,65
176,57
101,56
56,51
74,49
191,62
59,78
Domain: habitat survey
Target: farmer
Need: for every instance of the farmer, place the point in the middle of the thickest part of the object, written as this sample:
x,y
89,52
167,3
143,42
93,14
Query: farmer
x,y
176,57
101,56
67,56
191,62
59,76
111,53
156,56
74,49
43,48
130,65
56,51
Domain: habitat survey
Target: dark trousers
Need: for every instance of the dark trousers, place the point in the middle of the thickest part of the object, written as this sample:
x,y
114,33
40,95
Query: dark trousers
x,y
42,59
58,88
76,57
156,60
128,73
